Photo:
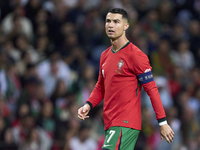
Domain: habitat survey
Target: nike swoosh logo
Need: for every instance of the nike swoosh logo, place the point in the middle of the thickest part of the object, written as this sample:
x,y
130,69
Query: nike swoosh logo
x,y
106,145
103,64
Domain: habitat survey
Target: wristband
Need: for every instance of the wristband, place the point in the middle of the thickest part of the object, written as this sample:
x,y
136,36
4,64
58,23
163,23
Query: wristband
x,y
162,123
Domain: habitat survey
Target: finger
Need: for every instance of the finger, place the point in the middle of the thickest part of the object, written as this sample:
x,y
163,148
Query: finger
x,y
79,111
162,138
80,117
80,114
170,138
172,132
85,117
167,139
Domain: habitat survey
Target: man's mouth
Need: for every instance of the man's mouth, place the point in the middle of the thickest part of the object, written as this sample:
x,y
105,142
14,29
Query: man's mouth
x,y
110,31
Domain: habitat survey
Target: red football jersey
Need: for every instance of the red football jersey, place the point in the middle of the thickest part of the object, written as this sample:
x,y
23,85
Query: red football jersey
x,y
118,83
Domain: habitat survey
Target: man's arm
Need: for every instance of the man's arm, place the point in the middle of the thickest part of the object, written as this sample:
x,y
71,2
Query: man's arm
x,y
165,130
142,68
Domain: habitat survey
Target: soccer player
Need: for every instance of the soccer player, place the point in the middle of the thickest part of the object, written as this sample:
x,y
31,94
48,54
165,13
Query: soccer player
x,y
124,70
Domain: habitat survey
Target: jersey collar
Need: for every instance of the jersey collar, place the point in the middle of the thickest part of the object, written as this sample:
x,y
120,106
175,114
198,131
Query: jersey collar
x,y
120,48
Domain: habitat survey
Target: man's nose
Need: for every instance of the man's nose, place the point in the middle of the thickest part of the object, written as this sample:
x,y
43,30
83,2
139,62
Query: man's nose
x,y
110,25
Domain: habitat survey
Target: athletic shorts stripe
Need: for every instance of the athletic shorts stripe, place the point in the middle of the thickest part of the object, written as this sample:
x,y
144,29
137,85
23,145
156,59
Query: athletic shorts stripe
x,y
119,141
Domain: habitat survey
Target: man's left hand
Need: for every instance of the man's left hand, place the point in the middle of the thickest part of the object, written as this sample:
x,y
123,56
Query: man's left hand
x,y
167,133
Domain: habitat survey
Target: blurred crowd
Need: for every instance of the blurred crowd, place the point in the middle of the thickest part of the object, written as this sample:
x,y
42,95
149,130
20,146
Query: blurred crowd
x,y
49,62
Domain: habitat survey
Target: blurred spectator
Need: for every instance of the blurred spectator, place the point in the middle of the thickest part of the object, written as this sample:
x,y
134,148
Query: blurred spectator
x,y
20,132
59,91
3,61
90,4
2,36
4,109
46,119
23,45
179,34
135,32
176,81
75,58
50,81
97,131
153,39
28,94
39,101
88,73
42,16
15,23
70,42
21,111
2,128
41,30
63,107
43,46
8,142
194,31
86,90
195,75
32,8
148,130
87,29
11,51
72,107
76,15
13,86
166,12
83,140
183,57
161,59
142,44
190,129
32,141
53,69
22,64
151,21
142,7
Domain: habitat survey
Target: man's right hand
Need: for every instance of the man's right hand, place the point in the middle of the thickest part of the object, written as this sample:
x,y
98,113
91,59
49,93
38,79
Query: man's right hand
x,y
83,111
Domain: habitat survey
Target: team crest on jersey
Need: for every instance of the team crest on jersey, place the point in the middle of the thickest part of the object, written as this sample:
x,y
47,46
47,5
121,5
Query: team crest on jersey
x,y
120,64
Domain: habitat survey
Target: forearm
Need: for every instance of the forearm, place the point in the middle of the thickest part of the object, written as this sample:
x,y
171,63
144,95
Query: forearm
x,y
153,93
95,97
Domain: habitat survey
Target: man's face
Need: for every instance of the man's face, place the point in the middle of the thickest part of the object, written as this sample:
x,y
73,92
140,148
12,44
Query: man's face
x,y
115,25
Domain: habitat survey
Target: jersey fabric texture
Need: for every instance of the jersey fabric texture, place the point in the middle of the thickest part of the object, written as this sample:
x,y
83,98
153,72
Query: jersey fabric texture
x,y
120,138
118,84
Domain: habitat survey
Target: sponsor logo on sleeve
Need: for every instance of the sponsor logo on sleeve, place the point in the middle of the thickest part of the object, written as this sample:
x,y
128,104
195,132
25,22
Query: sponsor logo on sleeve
x,y
147,70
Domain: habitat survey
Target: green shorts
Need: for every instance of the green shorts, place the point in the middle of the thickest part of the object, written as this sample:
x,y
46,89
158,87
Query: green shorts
x,y
120,138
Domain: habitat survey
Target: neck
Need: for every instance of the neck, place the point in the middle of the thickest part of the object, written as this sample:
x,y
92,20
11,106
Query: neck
x,y
119,42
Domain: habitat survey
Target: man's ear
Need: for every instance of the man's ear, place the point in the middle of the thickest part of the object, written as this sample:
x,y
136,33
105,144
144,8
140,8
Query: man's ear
x,y
126,25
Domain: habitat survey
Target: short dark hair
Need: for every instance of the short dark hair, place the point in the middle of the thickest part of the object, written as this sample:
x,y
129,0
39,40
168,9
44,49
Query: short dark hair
x,y
119,11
